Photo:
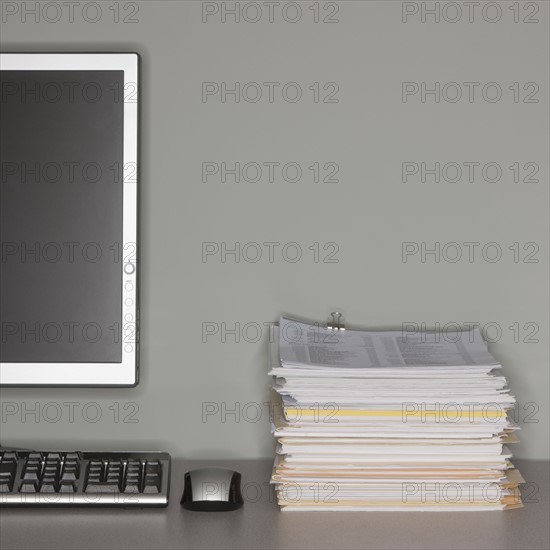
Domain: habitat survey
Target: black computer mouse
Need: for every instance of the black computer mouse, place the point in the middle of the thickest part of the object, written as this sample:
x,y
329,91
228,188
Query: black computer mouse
x,y
212,490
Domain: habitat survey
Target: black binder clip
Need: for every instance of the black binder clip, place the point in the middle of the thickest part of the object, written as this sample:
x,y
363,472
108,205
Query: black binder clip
x,y
337,322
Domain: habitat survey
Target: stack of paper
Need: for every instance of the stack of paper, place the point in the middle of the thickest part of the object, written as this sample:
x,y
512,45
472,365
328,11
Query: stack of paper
x,y
390,421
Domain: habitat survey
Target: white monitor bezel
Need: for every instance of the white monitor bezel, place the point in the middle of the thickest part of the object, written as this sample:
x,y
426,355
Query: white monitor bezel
x,y
125,373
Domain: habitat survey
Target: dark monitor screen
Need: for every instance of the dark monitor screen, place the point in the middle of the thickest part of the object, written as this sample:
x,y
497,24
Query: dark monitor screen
x,y
62,216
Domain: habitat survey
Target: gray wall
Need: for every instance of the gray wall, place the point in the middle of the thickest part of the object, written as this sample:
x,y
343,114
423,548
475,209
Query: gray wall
x,y
369,212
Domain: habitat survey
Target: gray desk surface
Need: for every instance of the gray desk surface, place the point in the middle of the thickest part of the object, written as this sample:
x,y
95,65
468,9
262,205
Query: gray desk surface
x,y
261,525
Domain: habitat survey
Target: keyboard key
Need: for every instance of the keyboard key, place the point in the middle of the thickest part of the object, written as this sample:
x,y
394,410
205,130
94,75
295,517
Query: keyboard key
x,y
8,468
30,475
69,476
48,487
151,483
53,457
113,481
9,456
49,479
66,487
36,456
72,468
7,474
102,488
72,456
28,487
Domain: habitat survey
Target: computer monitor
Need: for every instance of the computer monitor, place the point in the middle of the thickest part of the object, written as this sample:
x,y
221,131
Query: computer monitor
x,y
68,219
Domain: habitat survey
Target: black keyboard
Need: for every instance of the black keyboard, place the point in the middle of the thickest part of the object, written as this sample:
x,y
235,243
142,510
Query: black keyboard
x,y
61,478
